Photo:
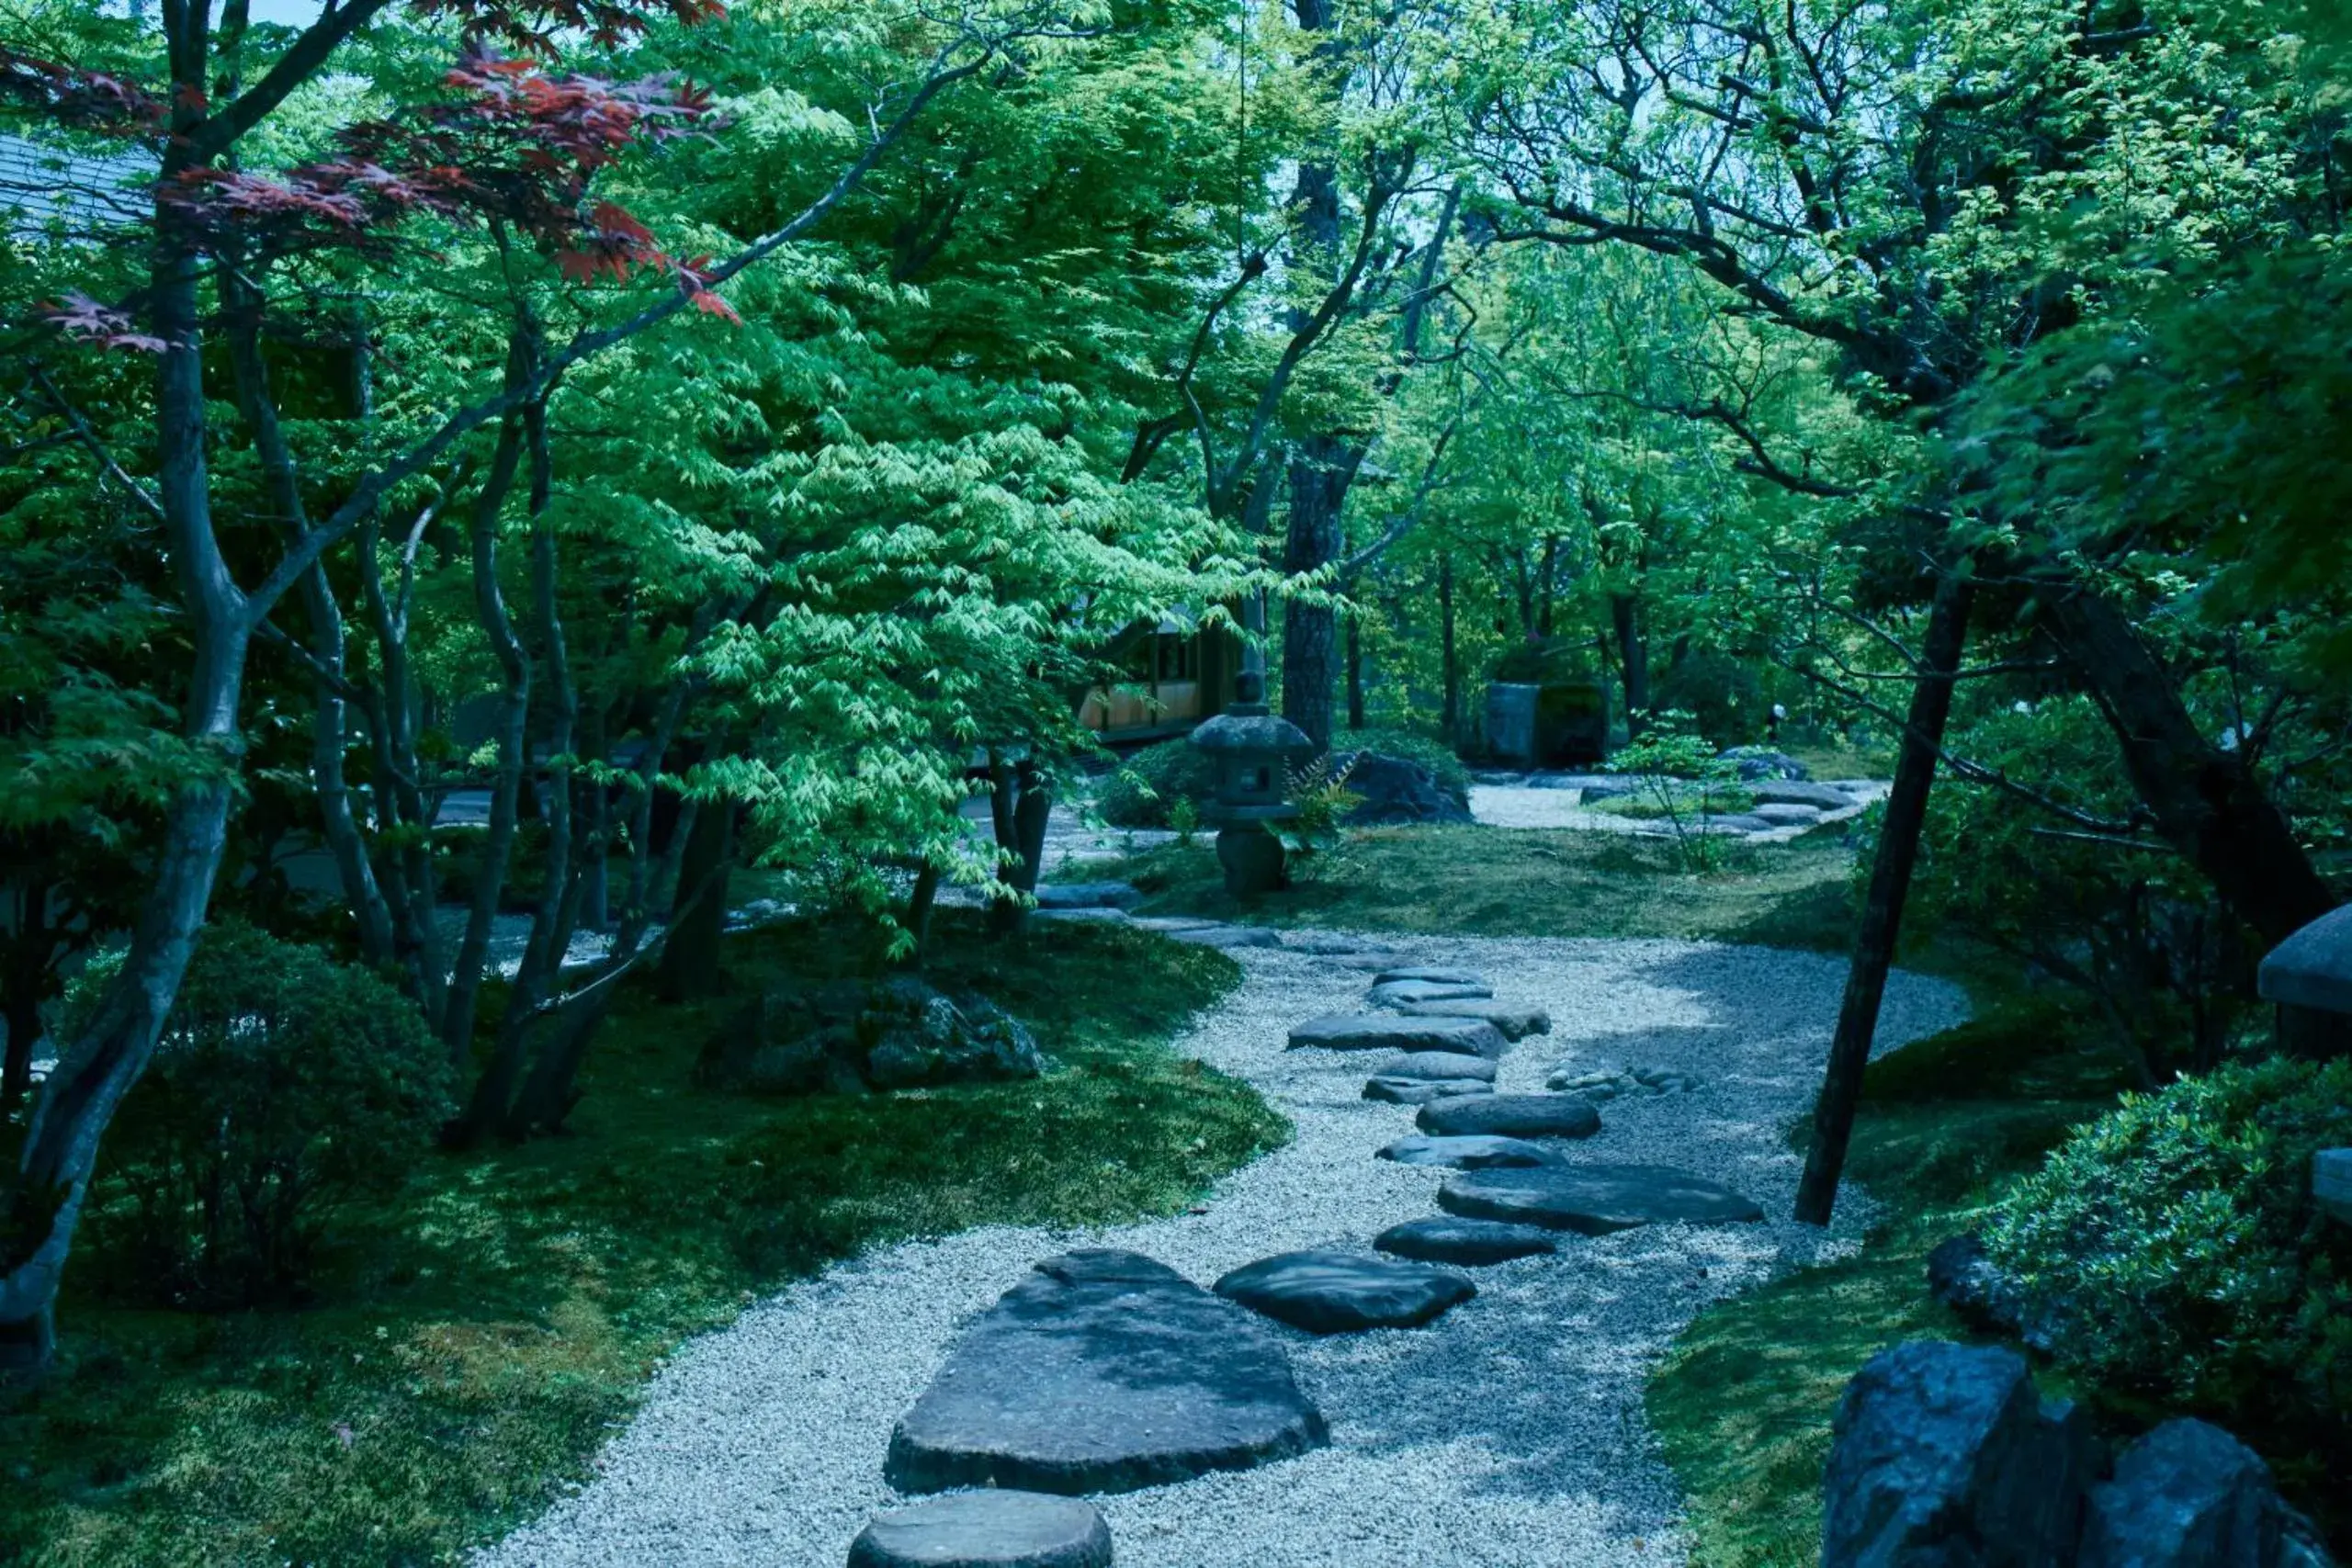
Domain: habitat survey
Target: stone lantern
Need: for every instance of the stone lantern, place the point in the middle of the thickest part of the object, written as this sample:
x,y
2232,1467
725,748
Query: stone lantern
x,y
2308,975
1252,749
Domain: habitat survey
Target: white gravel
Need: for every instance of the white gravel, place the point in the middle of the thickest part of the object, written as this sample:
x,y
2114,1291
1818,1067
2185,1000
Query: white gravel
x,y
1507,1435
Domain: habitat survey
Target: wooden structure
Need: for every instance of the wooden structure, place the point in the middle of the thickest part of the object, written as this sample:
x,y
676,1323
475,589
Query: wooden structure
x,y
1172,677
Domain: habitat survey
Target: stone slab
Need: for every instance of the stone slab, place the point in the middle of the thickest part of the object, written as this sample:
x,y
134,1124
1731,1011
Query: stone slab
x,y
1422,1091
1797,792
1388,1032
1469,1151
1087,896
1516,1019
1341,1293
1436,1065
1595,1200
1102,1371
985,1529
1230,936
1473,1243
1512,1116
1783,816
1436,973
1404,993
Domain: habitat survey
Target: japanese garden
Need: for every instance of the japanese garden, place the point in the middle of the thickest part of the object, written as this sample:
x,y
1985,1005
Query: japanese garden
x,y
1031,784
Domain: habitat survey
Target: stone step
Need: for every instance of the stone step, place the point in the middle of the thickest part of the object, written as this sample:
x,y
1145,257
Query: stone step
x,y
1387,1031
1423,1091
1473,1243
1229,936
1516,1019
1340,1293
1438,974
1468,1151
1595,1200
1435,1065
1404,993
1512,1116
985,1529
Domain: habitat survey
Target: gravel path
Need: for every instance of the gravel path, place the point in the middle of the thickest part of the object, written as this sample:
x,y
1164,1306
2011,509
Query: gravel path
x,y
1507,1435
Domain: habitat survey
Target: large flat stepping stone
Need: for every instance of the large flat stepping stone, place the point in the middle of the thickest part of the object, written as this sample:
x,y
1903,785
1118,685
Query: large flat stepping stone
x,y
1102,1371
1473,1244
1332,944
1436,1065
1339,1292
1436,973
1471,1151
1595,1200
985,1529
1404,993
1512,1116
1229,936
1516,1019
1422,1091
1797,792
1087,896
1789,816
1388,1032
1170,924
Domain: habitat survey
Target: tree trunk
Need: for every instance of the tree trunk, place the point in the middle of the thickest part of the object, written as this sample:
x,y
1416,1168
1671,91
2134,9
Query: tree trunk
x,y
1450,665
921,903
1874,942
2206,802
1549,591
1633,657
690,967
1355,673
1320,473
1019,811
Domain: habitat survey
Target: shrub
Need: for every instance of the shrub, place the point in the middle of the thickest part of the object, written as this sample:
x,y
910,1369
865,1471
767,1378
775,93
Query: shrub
x,y
2175,1252
1141,790
285,1084
1719,692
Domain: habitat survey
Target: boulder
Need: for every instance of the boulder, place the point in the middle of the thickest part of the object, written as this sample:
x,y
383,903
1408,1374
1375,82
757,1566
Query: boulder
x,y
1395,789
1404,993
1102,1371
1943,1456
1473,1243
1595,1200
2189,1495
1340,1293
1387,1031
1436,1065
1087,896
1516,1020
985,1529
1422,1091
1512,1116
1963,1277
1436,973
1475,1151
1592,791
895,1035
1795,792
1755,762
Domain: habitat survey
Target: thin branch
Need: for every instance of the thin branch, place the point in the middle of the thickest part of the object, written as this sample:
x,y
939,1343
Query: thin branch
x,y
97,448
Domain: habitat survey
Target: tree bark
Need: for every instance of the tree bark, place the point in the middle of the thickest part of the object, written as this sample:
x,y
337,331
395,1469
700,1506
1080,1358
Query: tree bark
x,y
1881,923
1633,659
1320,471
690,967
1450,665
1355,673
1019,810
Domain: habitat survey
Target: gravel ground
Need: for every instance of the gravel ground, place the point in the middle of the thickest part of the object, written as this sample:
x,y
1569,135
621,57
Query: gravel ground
x,y
1521,805
1507,1435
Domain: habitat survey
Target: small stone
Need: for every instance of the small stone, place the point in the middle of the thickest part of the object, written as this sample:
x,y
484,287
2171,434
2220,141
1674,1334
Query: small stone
x,y
1516,1019
1436,1065
1387,1031
1403,993
1422,1091
1513,1116
1437,974
1087,896
1470,1151
1339,1292
985,1529
1595,1200
1596,1084
1473,1244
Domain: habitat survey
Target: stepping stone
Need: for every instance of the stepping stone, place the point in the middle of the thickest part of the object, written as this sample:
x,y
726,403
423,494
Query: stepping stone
x,y
1387,1031
1087,896
1230,936
1471,1151
1102,1371
1796,792
1516,1020
1512,1116
1328,944
985,1529
1173,923
1741,823
1090,916
1435,1065
1594,1200
1441,1238
1789,816
1437,974
1338,1292
1422,1091
1401,993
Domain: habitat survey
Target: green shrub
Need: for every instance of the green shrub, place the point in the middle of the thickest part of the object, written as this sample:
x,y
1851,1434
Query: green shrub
x,y
1720,693
1141,790
2174,1251
285,1084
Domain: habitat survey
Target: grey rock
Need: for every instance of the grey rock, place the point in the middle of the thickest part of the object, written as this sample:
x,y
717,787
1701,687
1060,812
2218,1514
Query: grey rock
x,y
1330,944
1170,924
1516,1021
1087,896
1606,1083
1615,788
847,1036
985,1529
1763,762
1387,1031
2190,1496
1436,973
1404,993
1793,792
1102,1371
1473,1243
1470,1151
1789,816
1595,1200
1229,936
1513,1116
1549,779
1394,789
1436,1065
2313,968
1965,1279
1740,822
1422,1091
1339,1292
1944,1457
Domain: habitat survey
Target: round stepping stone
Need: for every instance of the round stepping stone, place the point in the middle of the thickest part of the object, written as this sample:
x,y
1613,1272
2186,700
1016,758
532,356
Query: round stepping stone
x,y
1473,1151
1516,1020
1436,1065
1387,1031
985,1529
1404,993
1423,1091
1594,1200
1437,974
1339,1292
1102,1371
1512,1116
1087,896
1473,1244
